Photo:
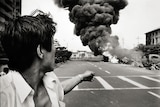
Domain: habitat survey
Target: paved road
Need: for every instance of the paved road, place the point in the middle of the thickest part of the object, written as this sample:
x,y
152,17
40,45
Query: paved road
x,y
115,85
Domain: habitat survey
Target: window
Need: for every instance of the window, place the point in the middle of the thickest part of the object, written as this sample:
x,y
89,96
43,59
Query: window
x,y
153,41
156,40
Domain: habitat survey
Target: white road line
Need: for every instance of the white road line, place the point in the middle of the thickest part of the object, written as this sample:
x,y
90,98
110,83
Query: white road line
x,y
76,88
154,94
90,63
149,78
133,76
132,88
106,85
100,68
95,65
108,72
133,82
114,76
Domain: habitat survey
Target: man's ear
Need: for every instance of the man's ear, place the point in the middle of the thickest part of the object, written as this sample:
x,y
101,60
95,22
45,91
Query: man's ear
x,y
40,52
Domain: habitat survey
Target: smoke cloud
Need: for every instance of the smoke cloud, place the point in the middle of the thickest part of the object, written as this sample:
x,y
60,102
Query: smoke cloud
x,y
92,19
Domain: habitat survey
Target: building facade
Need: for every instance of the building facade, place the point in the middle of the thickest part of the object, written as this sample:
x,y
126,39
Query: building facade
x,y
153,37
9,9
84,55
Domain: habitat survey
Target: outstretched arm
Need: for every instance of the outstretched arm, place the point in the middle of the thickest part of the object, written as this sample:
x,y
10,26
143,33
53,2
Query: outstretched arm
x,y
69,84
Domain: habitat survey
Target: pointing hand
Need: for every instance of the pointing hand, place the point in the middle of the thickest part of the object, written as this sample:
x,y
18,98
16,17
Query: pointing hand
x,y
87,76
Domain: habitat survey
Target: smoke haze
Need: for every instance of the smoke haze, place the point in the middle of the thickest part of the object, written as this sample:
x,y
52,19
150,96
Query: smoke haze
x,y
92,19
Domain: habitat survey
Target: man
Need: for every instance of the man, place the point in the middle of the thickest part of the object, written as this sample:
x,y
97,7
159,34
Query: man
x,y
28,43
3,62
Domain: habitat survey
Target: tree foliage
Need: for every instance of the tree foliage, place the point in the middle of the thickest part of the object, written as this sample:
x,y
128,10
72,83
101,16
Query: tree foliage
x,y
152,49
62,54
149,49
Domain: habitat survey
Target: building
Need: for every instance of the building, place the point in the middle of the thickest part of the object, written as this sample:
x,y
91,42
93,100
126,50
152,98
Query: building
x,y
9,9
81,55
84,55
153,37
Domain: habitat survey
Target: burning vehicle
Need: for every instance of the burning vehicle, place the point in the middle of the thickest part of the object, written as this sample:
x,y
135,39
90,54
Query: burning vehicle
x,y
92,19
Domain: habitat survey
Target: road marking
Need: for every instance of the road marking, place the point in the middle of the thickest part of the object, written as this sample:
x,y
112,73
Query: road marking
x,y
114,76
76,88
106,85
100,68
131,76
95,65
90,63
149,78
99,89
107,72
154,94
133,82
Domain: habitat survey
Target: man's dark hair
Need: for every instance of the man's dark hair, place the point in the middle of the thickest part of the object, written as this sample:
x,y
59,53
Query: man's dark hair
x,y
22,36
3,57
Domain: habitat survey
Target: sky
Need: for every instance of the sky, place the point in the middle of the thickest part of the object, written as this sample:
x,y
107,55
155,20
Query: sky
x,y
136,19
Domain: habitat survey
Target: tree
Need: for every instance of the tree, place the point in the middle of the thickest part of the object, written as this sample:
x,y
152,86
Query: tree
x,y
149,49
140,47
62,54
152,49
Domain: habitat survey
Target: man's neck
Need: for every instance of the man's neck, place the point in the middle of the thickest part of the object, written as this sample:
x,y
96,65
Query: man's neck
x,y
33,76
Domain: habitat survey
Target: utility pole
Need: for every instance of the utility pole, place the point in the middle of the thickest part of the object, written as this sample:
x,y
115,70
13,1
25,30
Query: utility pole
x,y
122,42
138,38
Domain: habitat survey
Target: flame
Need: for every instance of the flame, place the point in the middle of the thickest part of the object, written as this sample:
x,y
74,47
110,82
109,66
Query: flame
x,y
92,19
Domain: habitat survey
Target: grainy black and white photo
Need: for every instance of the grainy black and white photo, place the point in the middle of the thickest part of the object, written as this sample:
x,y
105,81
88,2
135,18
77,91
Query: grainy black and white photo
x,y
79,53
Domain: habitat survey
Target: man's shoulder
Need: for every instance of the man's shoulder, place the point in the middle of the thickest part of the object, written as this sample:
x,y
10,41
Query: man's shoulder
x,y
51,74
5,81
50,77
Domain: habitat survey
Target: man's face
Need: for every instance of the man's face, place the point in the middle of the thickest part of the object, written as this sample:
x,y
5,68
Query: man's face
x,y
49,59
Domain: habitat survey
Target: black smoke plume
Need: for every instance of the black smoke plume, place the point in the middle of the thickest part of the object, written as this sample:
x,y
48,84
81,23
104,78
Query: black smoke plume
x,y
92,19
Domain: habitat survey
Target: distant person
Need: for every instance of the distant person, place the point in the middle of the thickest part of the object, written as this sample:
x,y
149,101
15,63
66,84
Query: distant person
x,y
28,42
3,62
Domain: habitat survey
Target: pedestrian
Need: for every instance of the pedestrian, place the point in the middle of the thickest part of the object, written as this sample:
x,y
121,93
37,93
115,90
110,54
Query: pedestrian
x,y
3,62
29,44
